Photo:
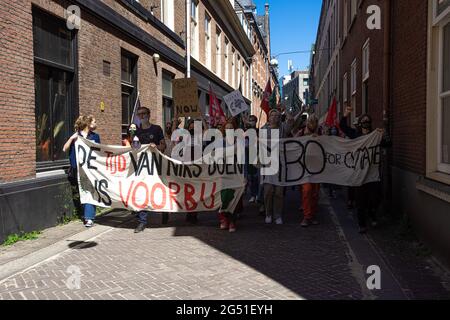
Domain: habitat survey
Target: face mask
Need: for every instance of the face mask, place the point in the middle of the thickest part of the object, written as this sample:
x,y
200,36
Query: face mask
x,y
366,125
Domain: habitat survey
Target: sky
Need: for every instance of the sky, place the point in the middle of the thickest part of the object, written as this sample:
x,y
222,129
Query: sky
x,y
293,27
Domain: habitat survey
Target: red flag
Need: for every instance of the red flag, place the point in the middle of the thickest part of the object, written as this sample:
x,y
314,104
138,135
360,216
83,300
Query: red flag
x,y
332,120
265,103
216,115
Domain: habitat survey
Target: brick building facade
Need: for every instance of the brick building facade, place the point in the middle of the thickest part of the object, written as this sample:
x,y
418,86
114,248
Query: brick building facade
x,y
53,72
400,75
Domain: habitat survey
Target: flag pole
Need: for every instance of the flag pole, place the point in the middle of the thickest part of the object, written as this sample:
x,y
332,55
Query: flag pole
x,y
134,108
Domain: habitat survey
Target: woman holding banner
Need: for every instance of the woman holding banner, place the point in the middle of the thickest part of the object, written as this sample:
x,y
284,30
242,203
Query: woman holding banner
x,y
227,218
310,191
84,127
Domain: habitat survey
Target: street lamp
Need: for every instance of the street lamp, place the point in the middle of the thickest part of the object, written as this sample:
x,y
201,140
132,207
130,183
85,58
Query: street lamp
x,y
274,63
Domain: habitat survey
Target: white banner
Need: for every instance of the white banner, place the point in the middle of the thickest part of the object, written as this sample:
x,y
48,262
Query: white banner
x,y
145,179
235,102
326,159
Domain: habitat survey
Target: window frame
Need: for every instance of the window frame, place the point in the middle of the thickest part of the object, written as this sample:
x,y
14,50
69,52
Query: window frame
x,y
227,61
345,88
169,76
366,61
219,52
195,43
435,169
441,24
168,9
207,27
133,84
72,90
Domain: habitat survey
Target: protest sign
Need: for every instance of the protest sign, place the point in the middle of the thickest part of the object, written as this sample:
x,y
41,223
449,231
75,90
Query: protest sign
x,y
235,102
185,97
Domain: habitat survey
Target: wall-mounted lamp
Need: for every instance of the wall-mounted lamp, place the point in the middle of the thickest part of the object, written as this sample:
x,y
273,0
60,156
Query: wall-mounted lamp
x,y
153,7
274,63
156,58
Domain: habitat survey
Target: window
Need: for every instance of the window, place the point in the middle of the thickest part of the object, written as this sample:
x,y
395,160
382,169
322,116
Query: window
x,y
365,57
444,95
353,88
54,75
219,52
345,18
353,78
353,9
233,68
129,88
167,97
239,80
227,45
208,40
167,13
438,105
442,6
194,29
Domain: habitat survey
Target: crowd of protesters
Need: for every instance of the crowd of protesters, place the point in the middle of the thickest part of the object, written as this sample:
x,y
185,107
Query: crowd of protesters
x,y
269,197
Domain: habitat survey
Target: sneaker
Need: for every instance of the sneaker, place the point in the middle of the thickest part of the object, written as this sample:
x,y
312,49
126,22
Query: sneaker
x,y
89,223
279,221
252,200
362,230
140,228
262,209
305,223
268,220
224,225
315,223
232,228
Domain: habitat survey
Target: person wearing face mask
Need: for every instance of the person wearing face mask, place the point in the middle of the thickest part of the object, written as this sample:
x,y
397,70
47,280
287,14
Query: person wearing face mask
x,y
84,127
148,133
367,195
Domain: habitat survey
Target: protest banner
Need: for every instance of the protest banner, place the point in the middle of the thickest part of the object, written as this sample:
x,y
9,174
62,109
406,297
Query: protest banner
x,y
146,179
185,97
236,103
327,159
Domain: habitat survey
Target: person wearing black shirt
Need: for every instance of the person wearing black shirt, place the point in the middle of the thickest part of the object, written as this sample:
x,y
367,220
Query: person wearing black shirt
x,y
148,133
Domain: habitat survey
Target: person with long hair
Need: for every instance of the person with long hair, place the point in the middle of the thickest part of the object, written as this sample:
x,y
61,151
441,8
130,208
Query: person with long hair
x,y
310,191
84,127
228,219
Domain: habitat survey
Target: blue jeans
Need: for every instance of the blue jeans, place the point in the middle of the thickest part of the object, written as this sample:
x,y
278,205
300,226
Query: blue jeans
x,y
142,217
89,211
253,182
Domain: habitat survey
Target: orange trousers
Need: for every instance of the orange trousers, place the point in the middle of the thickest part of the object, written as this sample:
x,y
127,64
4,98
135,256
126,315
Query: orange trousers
x,y
310,199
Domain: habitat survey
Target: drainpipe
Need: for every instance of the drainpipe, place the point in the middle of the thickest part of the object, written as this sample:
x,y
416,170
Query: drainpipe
x,y
387,172
386,63
188,38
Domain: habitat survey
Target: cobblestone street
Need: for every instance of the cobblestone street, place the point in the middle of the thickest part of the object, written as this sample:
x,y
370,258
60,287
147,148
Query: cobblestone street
x,y
180,261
